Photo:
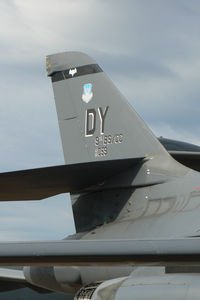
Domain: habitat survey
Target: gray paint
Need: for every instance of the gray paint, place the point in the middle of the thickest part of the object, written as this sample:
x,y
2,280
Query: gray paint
x,y
101,252
163,201
37,184
145,213
159,287
46,277
138,141
146,283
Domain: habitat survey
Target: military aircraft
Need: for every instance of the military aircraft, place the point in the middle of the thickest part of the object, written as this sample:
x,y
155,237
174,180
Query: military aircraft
x,y
136,205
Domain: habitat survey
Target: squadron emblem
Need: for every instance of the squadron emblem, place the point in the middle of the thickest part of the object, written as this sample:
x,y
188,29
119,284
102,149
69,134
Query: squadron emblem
x,y
72,72
87,92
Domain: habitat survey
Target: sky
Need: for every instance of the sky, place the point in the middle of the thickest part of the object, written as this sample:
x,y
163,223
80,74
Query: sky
x,y
149,48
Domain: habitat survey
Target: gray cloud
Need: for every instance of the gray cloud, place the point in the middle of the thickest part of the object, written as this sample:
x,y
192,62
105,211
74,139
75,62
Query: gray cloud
x,y
150,49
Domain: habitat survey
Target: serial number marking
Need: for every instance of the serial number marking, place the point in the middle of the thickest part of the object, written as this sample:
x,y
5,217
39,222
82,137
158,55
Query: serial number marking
x,y
101,151
109,139
102,143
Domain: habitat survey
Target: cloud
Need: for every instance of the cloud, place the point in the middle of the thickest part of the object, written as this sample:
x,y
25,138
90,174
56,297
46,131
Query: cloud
x,y
150,49
36,220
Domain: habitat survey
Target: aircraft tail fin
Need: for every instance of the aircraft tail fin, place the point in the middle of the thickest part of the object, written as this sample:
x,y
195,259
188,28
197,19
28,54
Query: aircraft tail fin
x,y
98,125
96,122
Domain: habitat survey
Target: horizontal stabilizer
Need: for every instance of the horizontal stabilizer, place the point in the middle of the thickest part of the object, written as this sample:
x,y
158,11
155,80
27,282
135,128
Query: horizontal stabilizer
x,y
13,279
187,158
12,275
37,184
101,252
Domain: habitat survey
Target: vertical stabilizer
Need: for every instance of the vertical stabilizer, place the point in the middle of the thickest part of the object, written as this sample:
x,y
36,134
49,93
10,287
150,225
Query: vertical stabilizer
x,y
96,122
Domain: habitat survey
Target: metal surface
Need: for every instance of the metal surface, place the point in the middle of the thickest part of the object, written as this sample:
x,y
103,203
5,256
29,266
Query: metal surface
x,y
189,159
37,184
133,203
101,252
104,128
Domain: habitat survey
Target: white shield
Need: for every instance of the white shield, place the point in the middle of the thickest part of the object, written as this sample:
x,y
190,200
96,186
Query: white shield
x,y
87,92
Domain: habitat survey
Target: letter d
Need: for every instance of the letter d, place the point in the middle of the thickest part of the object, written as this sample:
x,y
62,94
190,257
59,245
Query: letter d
x,y
90,122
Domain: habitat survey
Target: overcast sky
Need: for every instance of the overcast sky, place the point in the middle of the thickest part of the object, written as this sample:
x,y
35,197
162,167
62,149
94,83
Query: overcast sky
x,y
149,48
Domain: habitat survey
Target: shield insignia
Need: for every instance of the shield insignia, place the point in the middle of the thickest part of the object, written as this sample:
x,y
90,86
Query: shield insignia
x,y
87,92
